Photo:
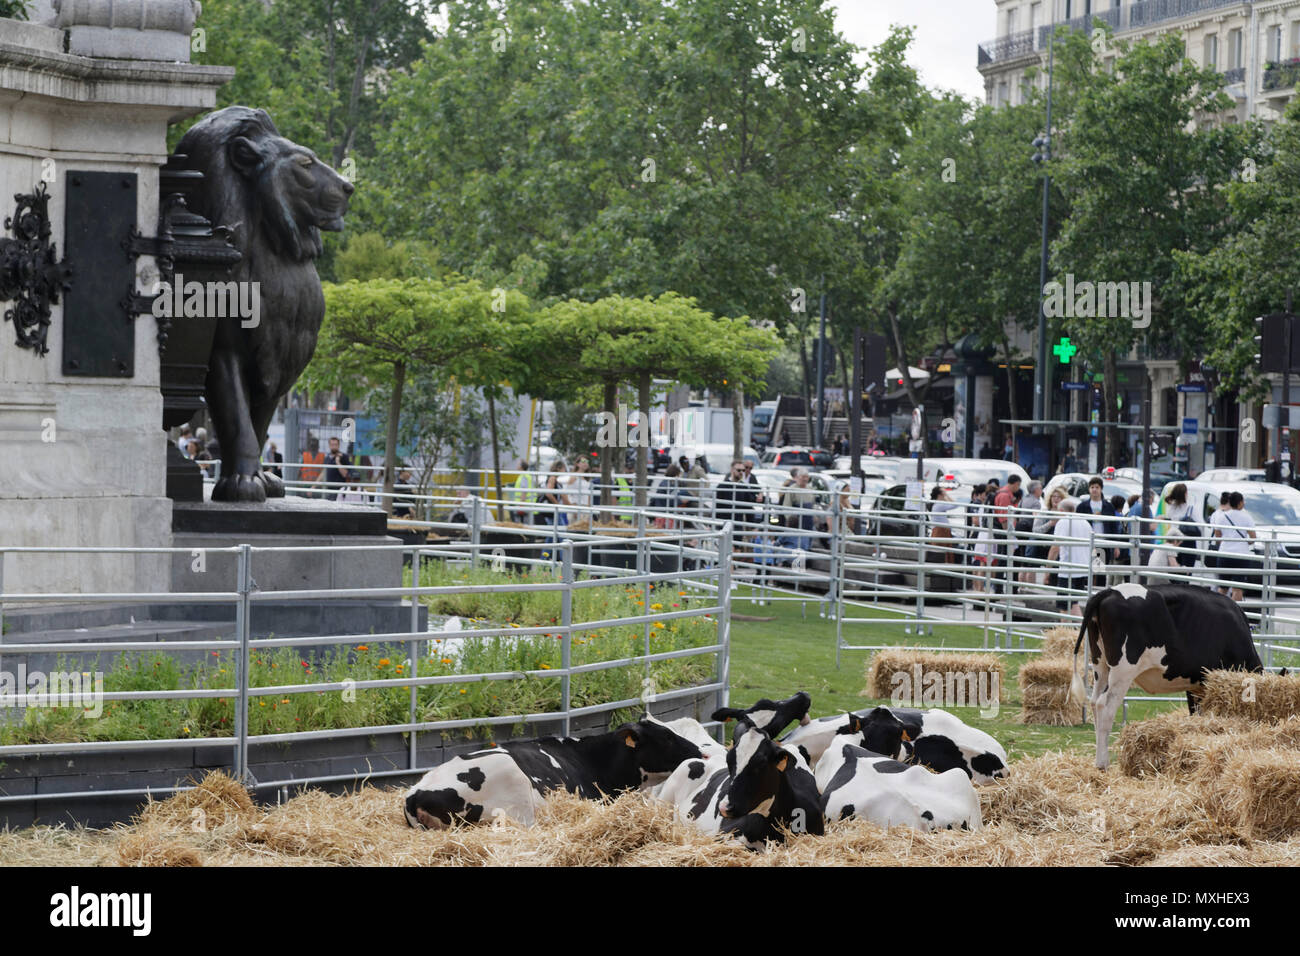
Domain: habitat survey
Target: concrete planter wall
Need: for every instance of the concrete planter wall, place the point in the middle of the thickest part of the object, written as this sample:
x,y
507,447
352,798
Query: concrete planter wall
x,y
172,766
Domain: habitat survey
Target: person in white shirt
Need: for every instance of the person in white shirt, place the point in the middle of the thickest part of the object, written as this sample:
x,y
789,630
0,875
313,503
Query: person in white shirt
x,y
1235,533
1075,557
940,527
579,490
1217,519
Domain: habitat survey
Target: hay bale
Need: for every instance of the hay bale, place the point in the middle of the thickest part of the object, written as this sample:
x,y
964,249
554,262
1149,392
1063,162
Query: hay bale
x,y
1175,743
932,678
1059,642
1047,693
1257,793
215,801
1256,696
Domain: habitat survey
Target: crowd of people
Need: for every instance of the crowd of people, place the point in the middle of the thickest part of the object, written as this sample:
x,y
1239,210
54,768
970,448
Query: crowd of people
x,y
1001,525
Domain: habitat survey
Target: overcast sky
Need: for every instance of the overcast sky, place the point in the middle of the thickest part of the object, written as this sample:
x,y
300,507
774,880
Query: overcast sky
x,y
946,36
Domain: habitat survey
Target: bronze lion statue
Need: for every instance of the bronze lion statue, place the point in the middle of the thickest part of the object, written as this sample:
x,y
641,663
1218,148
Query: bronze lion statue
x,y
275,196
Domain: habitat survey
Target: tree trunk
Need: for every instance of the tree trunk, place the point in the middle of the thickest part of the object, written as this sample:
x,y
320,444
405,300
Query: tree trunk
x,y
1109,393
496,451
390,437
900,356
738,424
607,452
807,391
1011,394
643,439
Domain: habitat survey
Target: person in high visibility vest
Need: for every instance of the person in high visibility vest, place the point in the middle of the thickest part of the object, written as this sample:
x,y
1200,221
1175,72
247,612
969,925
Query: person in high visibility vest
x,y
525,486
312,456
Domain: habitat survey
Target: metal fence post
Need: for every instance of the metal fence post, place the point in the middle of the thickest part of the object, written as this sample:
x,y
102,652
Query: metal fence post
x,y
724,627
1267,593
831,603
475,529
642,569
566,620
414,651
243,575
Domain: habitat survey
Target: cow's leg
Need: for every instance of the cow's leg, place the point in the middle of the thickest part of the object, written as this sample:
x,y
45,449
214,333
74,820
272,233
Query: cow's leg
x,y
1193,701
1112,683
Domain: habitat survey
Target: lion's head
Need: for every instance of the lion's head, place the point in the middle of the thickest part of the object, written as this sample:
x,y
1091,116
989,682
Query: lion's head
x,y
260,181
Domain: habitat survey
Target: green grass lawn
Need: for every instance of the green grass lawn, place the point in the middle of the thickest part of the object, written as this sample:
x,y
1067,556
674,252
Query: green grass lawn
x,y
796,651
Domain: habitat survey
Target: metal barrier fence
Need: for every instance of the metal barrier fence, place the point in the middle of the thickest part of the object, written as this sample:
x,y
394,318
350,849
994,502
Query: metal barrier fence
x,y
697,570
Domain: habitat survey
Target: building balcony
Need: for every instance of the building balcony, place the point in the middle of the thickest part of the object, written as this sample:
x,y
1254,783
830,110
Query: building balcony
x,y
1280,78
1232,77
1010,47
1148,12
1084,24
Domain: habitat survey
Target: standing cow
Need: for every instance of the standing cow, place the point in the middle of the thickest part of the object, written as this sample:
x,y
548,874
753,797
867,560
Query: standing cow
x,y
1163,639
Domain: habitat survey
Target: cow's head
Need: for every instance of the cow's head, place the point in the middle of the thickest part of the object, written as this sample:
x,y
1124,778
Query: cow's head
x,y
770,716
881,731
755,764
655,748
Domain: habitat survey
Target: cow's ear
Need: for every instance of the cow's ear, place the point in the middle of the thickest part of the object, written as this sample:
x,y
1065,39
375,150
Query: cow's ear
x,y
855,723
629,735
726,713
783,762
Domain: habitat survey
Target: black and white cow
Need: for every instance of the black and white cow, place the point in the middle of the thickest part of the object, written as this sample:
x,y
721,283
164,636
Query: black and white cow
x,y
935,739
855,780
770,716
762,786
511,780
711,752
1162,638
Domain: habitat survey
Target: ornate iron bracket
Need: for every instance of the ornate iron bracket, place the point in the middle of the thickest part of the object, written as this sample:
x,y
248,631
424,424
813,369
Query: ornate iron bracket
x,y
30,273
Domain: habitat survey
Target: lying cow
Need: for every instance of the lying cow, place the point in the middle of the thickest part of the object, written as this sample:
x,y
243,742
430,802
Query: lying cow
x,y
513,778
762,787
712,752
1162,638
935,739
770,716
856,780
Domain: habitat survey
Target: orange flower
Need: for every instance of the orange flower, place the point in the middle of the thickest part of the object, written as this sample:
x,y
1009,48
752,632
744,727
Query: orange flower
x,y
362,647
546,667
383,662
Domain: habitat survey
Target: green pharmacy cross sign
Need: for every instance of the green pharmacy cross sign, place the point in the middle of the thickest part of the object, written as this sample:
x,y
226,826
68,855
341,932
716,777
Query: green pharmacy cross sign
x,y
1065,350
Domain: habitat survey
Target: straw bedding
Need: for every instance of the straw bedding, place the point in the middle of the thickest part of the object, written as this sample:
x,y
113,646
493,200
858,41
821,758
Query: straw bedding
x,y
1047,693
1056,809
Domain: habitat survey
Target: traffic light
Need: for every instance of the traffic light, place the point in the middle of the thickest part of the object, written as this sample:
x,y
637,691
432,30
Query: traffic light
x,y
1271,341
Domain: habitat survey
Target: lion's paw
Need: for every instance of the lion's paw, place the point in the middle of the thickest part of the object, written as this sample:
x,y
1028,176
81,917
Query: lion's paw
x,y
239,488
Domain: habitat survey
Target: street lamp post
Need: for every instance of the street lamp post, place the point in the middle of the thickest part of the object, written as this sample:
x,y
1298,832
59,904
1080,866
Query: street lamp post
x,y
1043,147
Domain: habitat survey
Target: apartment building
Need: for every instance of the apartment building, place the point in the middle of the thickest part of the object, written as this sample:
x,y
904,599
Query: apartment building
x,y
1256,46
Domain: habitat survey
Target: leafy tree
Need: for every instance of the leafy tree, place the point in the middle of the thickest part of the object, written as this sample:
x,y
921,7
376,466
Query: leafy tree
x,y
1144,172
376,332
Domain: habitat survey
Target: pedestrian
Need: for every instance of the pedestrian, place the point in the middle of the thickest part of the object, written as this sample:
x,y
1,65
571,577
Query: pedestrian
x,y
797,502
523,493
199,454
734,500
941,505
578,489
1216,521
337,470
1008,449
1144,515
183,443
664,497
1236,532
1179,512
403,490
1073,554
1096,509
1045,524
312,458
275,461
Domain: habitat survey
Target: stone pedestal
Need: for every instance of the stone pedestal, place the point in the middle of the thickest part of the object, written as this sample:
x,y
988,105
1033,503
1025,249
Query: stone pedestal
x,y
283,523
82,457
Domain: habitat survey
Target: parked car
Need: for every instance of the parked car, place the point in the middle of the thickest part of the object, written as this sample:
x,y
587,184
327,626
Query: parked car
x,y
796,457
1231,474
965,471
1274,507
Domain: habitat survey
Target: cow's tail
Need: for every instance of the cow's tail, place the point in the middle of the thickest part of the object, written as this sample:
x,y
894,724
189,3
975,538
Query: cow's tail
x,y
1077,686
